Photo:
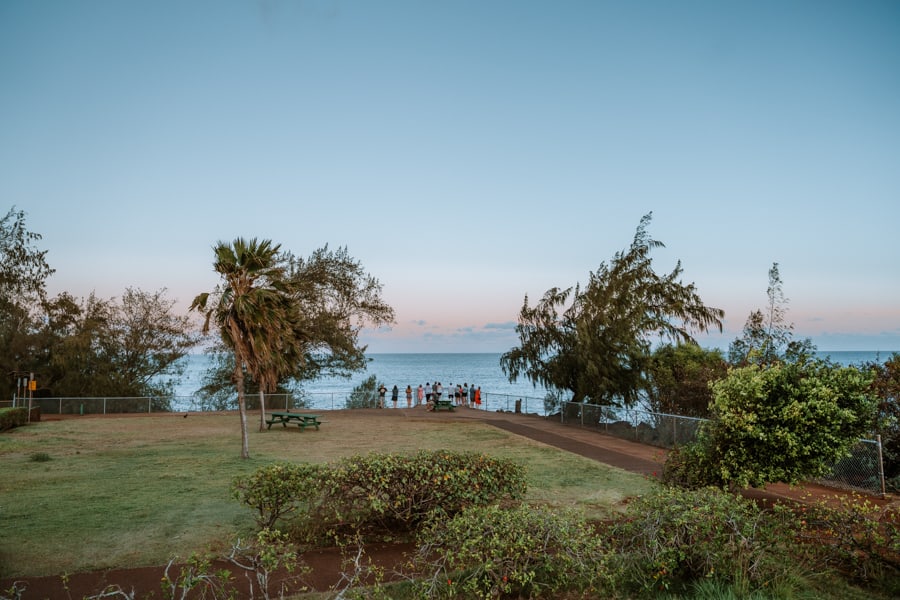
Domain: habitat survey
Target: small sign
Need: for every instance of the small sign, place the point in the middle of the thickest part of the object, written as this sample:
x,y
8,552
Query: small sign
x,y
32,385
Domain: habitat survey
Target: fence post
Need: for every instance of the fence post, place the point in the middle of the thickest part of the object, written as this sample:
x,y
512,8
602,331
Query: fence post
x,y
880,465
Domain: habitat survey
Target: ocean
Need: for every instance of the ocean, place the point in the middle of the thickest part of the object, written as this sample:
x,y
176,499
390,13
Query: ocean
x,y
479,369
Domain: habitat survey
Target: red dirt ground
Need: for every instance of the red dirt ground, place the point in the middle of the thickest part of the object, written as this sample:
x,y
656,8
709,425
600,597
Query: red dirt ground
x,y
327,565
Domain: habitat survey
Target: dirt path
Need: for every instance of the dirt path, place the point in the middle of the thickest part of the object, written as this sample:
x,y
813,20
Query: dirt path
x,y
327,565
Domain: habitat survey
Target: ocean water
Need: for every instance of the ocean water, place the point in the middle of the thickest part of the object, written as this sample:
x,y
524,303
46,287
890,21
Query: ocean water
x,y
479,369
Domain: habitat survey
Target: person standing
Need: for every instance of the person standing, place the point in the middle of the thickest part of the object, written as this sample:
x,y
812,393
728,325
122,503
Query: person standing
x,y
428,392
472,396
420,395
465,394
478,397
409,396
395,394
381,392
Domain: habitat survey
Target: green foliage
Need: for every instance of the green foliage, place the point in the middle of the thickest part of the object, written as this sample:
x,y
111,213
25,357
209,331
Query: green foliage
x,y
13,417
886,389
525,551
383,494
393,492
672,537
364,395
23,275
123,347
278,489
23,268
784,422
680,377
285,317
854,535
767,337
596,341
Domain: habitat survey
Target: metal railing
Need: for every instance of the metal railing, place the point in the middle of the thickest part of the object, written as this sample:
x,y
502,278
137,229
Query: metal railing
x,y
312,400
862,470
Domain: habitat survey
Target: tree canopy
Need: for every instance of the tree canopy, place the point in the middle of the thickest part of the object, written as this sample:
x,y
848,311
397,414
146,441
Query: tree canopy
x,y
595,341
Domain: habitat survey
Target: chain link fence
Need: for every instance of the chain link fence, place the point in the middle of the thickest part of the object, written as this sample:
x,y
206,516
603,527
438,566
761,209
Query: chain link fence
x,y
862,470
309,400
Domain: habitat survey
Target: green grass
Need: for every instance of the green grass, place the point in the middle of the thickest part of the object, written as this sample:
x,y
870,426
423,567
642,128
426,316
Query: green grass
x,y
132,491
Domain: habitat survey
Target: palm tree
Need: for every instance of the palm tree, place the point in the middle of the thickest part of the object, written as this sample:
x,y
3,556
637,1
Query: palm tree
x,y
251,310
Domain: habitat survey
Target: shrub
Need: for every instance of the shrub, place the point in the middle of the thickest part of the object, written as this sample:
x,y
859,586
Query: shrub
x,y
278,489
13,417
782,422
672,537
489,552
855,536
364,395
377,493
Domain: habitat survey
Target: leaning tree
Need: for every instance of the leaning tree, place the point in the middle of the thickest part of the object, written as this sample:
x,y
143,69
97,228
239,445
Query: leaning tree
x,y
288,317
595,341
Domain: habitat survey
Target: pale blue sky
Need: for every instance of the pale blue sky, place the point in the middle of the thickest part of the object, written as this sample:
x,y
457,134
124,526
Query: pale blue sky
x,y
467,152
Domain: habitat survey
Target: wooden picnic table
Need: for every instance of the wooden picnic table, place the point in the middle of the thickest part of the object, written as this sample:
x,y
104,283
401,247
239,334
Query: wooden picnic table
x,y
443,405
301,419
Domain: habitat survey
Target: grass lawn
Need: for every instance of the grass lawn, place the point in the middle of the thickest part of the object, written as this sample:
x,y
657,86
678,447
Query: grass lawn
x,y
91,493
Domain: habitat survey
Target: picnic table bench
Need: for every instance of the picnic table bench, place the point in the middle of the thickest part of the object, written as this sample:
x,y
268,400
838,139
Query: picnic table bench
x,y
301,419
443,405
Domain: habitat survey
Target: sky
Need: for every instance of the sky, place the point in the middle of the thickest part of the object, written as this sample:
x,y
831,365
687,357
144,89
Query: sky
x,y
467,153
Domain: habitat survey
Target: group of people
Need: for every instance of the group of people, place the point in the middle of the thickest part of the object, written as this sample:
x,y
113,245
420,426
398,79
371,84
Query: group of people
x,y
427,395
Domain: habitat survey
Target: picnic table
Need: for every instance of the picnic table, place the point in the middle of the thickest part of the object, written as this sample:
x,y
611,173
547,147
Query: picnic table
x,y
301,419
443,405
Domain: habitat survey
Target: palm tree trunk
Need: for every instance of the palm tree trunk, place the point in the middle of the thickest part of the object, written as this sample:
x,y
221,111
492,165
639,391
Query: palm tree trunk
x,y
262,409
242,405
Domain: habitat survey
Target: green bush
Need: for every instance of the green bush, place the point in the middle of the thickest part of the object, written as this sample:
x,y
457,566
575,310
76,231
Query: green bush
x,y
364,395
673,537
778,423
13,417
393,493
855,536
278,489
526,551
377,493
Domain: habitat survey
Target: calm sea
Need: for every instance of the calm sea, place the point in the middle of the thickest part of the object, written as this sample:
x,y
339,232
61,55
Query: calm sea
x,y
482,369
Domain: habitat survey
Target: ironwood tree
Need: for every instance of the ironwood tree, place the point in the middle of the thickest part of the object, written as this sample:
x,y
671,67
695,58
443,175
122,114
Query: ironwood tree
x,y
23,276
768,337
596,341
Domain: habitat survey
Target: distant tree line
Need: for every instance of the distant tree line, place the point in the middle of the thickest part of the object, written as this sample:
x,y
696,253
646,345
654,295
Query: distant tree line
x,y
127,346
303,316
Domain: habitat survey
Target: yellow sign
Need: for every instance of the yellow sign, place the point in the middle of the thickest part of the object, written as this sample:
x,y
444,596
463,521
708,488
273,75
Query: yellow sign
x,y
32,385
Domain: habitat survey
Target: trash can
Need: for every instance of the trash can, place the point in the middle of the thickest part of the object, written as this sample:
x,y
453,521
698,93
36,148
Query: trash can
x,y
518,406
